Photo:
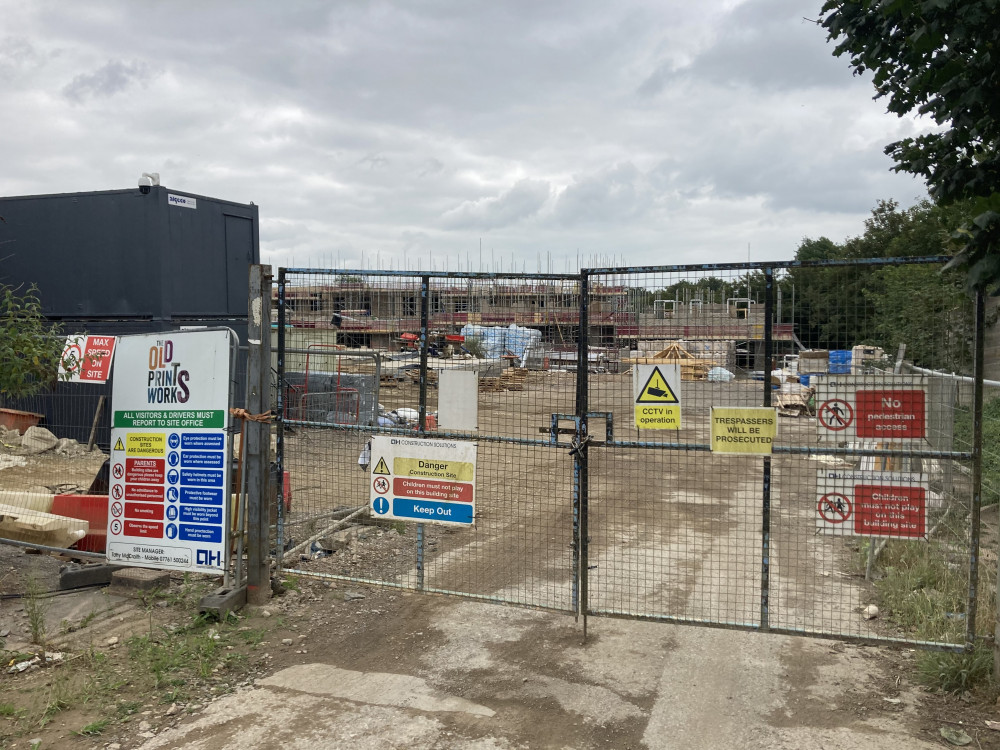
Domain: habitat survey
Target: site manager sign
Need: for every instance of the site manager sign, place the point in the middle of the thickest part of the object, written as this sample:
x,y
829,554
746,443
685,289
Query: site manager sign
x,y
168,500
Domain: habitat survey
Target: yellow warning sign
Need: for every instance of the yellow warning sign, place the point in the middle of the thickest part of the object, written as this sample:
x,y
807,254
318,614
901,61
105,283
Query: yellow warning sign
x,y
145,444
435,468
119,446
747,430
657,394
657,390
651,417
381,468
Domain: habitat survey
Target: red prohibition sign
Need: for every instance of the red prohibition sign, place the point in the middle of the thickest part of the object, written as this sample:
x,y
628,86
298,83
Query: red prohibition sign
x,y
834,507
116,492
118,471
381,485
116,509
836,414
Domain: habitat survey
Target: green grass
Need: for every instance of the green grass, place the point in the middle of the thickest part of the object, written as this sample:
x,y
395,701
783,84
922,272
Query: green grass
x,y
10,711
924,589
991,445
956,673
35,608
94,728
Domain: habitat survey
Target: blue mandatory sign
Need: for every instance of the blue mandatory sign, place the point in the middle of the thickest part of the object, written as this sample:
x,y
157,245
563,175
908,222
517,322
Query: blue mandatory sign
x,y
174,440
172,494
171,512
171,531
381,506
173,476
429,510
173,458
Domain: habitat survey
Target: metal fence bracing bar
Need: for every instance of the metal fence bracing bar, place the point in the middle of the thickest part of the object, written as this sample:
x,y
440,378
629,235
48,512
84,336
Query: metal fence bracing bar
x,y
870,471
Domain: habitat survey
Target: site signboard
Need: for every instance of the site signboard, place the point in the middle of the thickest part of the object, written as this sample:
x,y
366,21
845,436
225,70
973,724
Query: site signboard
x,y
168,504
872,503
746,430
87,359
423,479
657,393
891,409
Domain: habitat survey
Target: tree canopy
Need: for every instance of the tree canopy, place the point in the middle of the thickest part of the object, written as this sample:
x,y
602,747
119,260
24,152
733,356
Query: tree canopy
x,y
841,306
939,59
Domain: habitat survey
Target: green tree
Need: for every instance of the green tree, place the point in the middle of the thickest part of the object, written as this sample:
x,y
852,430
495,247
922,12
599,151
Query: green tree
x,y
839,307
30,347
938,58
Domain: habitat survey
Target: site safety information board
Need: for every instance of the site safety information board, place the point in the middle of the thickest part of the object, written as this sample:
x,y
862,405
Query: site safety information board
x,y
743,430
887,408
423,479
889,504
657,393
168,503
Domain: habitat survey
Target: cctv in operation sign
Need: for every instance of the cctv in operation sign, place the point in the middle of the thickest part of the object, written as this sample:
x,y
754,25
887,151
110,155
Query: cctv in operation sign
x,y
168,500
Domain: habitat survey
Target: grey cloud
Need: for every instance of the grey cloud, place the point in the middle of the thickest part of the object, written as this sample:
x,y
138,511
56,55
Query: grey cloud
x,y
523,200
610,195
765,45
114,77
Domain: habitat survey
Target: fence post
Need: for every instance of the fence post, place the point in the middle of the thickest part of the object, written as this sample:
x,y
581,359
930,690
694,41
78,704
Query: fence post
x,y
580,467
278,418
977,483
765,528
257,451
425,302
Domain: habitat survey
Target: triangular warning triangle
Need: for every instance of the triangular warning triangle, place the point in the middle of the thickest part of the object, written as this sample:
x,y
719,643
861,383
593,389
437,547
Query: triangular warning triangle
x,y
656,390
119,446
381,468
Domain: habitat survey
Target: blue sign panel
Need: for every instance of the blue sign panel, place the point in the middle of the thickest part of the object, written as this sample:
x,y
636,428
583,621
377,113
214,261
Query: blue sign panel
x,y
201,514
196,441
201,478
199,496
425,510
192,533
204,459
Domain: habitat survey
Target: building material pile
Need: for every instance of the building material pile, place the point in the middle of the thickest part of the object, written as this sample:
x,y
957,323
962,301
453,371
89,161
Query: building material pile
x,y
414,376
511,380
692,368
37,527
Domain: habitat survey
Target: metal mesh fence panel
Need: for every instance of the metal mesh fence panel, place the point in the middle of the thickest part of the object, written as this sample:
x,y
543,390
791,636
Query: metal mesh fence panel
x,y
857,522
742,446
383,354
675,531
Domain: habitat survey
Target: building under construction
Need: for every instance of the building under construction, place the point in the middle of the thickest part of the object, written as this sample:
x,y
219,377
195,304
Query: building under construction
x,y
384,313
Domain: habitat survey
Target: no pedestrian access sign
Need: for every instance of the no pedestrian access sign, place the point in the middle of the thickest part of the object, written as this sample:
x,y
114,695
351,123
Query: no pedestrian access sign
x,y
657,393
421,479
890,409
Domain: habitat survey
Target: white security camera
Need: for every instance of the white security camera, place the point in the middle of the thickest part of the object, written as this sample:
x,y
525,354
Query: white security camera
x,y
148,180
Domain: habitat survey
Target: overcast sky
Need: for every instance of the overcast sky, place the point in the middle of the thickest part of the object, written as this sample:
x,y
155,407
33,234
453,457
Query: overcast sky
x,y
412,134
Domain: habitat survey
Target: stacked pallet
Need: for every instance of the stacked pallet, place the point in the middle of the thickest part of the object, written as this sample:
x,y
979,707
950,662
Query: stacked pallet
x,y
511,380
692,368
414,376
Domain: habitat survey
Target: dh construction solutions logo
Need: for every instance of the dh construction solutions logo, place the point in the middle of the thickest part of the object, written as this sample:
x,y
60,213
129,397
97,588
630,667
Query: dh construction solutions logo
x,y
166,382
